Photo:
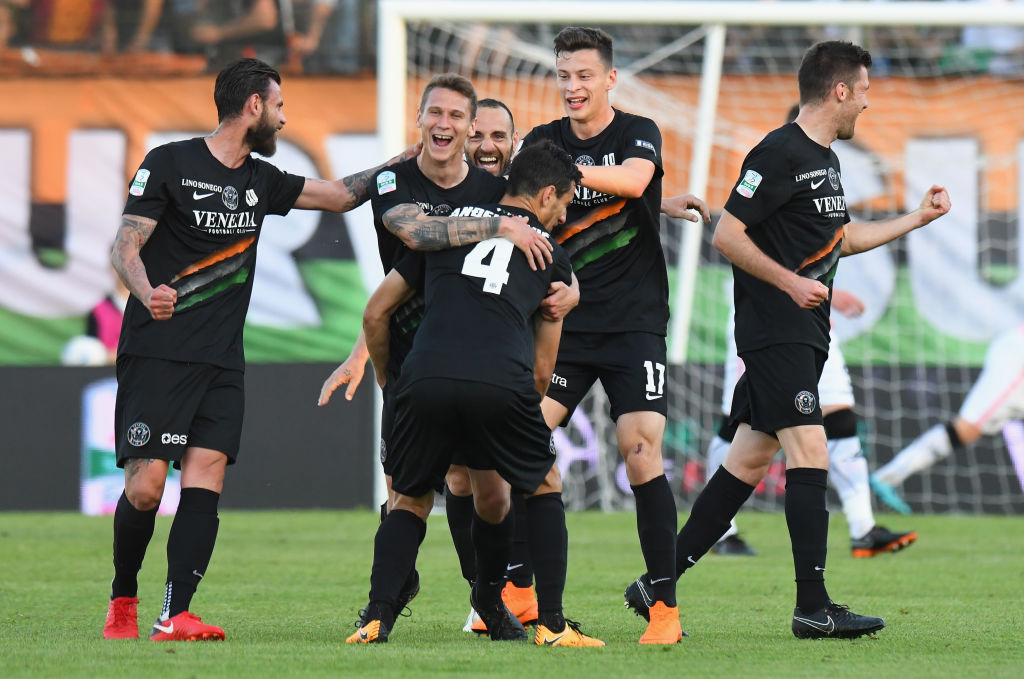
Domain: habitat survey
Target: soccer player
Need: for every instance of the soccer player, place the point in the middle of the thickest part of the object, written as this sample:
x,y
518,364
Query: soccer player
x,y
494,138
186,248
996,397
617,334
472,383
848,470
784,228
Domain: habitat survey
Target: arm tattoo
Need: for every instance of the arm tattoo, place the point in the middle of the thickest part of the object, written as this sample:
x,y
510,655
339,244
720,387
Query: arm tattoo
x,y
358,186
425,232
131,236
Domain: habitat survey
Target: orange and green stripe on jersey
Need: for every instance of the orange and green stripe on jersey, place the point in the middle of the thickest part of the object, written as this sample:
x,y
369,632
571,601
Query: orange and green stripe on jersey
x,y
215,273
595,234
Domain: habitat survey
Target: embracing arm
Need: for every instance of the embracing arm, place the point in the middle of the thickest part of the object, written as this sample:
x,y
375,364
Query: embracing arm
x,y
546,336
124,256
628,180
862,236
347,193
731,240
392,293
426,232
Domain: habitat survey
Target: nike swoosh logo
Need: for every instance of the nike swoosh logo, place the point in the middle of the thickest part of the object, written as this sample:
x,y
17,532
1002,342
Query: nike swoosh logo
x,y
826,627
655,582
816,184
199,196
818,568
653,397
166,630
554,640
513,566
690,559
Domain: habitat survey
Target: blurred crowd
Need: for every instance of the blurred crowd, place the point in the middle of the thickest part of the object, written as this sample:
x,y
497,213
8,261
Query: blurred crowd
x,y
339,36
320,36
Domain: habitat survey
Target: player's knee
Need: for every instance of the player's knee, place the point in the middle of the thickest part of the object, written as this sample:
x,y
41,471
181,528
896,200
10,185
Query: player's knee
x,y
144,495
492,507
457,480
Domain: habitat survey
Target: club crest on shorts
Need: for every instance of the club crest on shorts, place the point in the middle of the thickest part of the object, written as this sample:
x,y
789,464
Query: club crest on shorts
x,y
230,197
138,434
383,451
804,402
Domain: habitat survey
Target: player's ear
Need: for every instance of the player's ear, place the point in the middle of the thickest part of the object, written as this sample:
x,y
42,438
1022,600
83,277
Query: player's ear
x,y
612,78
254,104
548,195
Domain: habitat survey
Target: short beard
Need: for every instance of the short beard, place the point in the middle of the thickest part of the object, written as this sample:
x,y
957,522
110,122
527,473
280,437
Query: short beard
x,y
263,138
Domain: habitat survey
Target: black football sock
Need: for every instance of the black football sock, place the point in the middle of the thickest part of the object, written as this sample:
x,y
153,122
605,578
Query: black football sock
x,y
491,542
460,520
710,515
549,544
189,547
656,527
807,519
133,530
394,555
520,566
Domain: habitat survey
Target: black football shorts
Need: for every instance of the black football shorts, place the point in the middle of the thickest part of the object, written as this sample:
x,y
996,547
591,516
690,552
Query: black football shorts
x,y
484,426
631,366
779,387
165,406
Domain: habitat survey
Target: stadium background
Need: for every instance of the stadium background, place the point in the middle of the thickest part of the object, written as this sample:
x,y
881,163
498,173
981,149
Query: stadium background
x,y
82,118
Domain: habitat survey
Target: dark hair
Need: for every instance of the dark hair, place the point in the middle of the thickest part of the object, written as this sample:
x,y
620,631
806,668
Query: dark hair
x,y
793,112
828,63
494,103
542,164
575,38
455,83
238,81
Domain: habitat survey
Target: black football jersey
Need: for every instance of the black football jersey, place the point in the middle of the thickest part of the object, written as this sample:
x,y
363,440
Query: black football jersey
x,y
209,219
480,301
614,242
790,197
402,183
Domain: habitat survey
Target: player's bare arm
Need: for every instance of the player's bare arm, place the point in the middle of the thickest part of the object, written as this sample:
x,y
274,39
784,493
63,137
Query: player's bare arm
x,y
731,240
124,256
347,193
686,206
350,372
847,303
425,232
561,299
546,336
862,236
392,293
628,180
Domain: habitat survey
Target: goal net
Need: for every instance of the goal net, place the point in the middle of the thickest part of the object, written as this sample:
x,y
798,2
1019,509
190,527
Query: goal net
x,y
716,77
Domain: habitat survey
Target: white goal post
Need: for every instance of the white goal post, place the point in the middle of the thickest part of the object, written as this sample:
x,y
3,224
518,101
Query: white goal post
x,y
716,77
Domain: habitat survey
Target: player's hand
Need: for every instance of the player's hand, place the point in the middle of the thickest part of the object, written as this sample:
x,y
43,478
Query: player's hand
x,y
532,242
350,372
680,207
934,204
807,292
560,300
847,303
161,302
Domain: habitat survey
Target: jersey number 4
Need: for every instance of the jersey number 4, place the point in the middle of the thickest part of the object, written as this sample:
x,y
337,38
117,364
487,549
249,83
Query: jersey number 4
x,y
495,272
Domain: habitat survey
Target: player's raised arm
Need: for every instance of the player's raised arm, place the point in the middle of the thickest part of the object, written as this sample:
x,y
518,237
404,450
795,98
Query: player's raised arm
x,y
861,236
628,180
426,232
124,256
392,293
731,240
347,193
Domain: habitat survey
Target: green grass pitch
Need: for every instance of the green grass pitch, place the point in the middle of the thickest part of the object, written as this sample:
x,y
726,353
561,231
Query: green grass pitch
x,y
286,586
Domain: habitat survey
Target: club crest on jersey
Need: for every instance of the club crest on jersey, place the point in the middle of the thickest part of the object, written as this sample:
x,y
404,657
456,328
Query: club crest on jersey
x,y
584,160
230,197
442,210
139,183
833,178
386,182
748,185
804,402
138,434
251,198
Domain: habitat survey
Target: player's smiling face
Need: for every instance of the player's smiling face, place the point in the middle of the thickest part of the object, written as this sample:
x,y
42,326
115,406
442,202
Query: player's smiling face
x,y
491,144
444,122
583,83
262,135
853,105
